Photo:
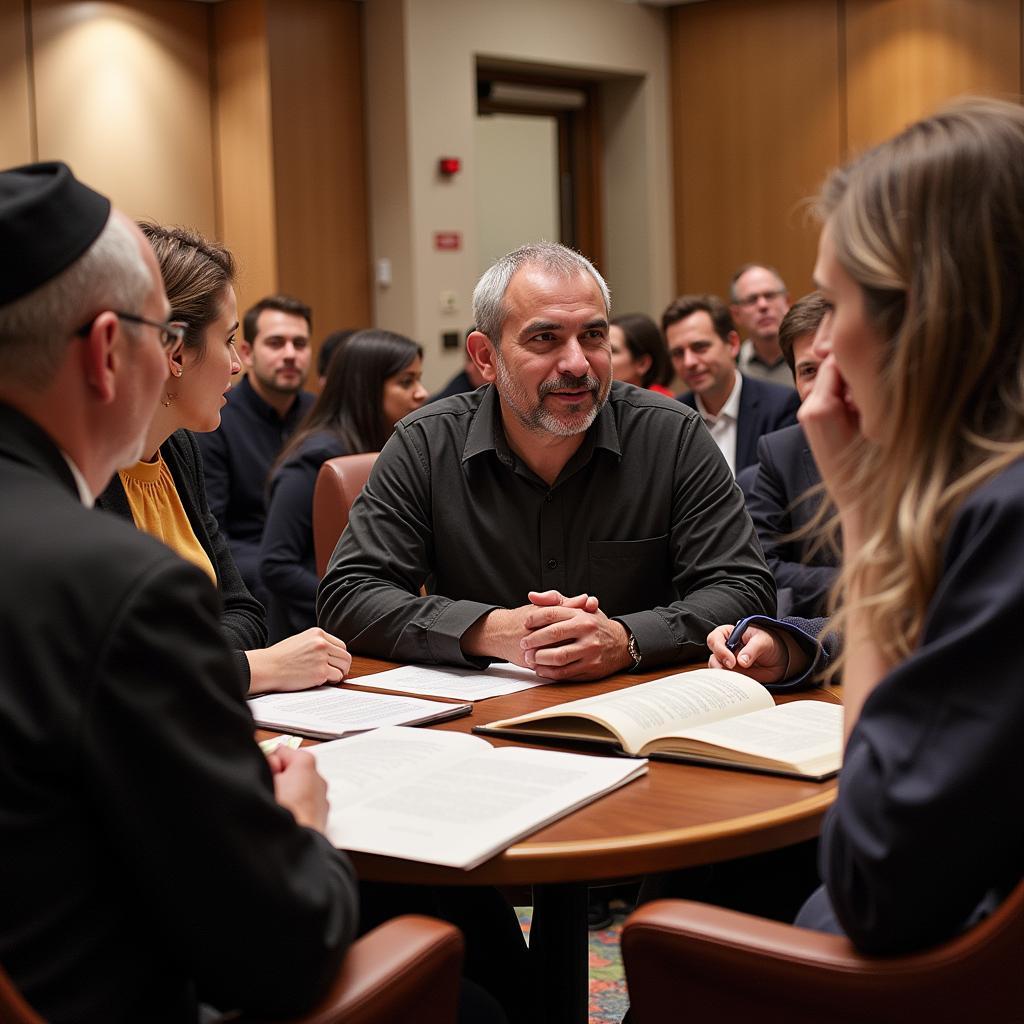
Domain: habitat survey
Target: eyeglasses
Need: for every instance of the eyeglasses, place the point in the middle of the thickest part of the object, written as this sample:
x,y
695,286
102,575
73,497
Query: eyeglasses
x,y
752,300
171,335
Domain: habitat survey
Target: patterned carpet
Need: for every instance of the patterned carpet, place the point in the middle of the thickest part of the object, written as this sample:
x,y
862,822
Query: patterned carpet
x,y
608,999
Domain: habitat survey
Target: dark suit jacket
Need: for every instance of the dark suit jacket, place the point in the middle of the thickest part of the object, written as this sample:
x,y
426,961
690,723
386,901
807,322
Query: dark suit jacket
x,y
237,457
242,618
142,852
786,471
764,407
287,557
926,833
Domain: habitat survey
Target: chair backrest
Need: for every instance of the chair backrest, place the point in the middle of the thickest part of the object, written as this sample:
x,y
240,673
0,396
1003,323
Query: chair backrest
x,y
337,485
736,966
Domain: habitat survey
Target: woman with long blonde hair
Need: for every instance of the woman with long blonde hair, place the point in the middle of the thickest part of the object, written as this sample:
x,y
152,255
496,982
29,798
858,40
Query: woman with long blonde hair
x,y
916,422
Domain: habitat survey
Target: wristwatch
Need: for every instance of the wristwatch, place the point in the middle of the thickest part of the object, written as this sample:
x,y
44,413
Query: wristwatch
x,y
633,649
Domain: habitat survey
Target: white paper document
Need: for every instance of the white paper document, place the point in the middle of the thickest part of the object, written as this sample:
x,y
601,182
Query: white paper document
x,y
461,683
450,798
327,711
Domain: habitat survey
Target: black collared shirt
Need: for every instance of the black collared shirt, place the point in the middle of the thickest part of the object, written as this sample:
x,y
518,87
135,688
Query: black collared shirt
x,y
645,515
237,457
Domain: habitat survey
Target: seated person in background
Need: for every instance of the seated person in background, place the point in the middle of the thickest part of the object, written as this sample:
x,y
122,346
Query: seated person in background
x,y
371,385
263,410
916,421
758,300
551,481
328,347
468,378
164,494
703,344
780,499
639,355
145,842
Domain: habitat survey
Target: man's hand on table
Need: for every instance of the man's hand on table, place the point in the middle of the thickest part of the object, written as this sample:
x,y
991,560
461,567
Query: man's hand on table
x,y
560,638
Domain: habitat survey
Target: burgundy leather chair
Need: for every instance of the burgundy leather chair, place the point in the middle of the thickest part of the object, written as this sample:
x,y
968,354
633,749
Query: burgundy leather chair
x,y
695,962
337,485
407,970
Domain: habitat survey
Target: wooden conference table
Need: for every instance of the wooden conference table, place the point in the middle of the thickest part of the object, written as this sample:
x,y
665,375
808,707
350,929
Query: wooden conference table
x,y
675,816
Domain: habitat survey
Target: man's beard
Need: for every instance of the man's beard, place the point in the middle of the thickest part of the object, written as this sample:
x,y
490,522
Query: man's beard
x,y
533,414
271,384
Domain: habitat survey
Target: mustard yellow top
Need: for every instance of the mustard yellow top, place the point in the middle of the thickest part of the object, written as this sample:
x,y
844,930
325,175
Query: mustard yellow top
x,y
158,511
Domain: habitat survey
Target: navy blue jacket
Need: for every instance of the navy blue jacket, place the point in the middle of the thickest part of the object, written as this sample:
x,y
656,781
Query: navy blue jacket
x,y
237,457
778,504
764,407
287,555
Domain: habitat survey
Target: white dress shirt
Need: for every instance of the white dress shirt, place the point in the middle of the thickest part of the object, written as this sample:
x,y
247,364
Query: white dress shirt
x,y
723,426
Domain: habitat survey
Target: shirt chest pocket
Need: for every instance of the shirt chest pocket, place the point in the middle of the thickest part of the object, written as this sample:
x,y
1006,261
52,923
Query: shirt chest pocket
x,y
630,575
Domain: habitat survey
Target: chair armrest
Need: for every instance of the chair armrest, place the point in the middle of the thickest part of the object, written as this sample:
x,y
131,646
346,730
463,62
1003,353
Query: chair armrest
x,y
408,969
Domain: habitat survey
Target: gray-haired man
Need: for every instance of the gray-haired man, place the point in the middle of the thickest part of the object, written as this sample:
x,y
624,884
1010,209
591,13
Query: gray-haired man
x,y
513,503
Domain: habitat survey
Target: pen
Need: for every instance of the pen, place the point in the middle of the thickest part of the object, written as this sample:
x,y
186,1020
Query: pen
x,y
735,641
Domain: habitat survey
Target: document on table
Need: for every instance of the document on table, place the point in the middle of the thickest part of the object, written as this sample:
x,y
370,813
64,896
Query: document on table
x,y
452,799
327,711
460,683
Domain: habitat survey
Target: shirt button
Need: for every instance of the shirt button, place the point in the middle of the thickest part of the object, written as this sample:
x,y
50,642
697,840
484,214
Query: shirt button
x,y
552,563
548,499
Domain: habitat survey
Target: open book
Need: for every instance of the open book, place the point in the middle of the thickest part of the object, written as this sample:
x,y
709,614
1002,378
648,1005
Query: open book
x,y
710,716
450,798
327,712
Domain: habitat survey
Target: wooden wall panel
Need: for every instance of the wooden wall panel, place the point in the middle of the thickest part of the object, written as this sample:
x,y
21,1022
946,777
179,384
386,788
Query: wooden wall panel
x,y
244,150
756,111
123,95
905,57
319,156
16,124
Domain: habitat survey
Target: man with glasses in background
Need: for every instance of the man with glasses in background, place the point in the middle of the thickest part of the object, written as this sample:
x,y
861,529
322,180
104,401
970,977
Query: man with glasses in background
x,y
758,302
145,841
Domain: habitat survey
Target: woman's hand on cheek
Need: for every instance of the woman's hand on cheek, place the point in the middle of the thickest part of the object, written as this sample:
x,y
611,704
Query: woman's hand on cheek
x,y
832,424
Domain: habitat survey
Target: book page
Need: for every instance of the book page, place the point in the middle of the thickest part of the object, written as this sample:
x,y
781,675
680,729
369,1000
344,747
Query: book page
x,y
799,731
638,714
352,766
461,683
330,711
462,806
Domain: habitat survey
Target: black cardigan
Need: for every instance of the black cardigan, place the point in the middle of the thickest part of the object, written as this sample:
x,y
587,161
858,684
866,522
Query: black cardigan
x,y
242,620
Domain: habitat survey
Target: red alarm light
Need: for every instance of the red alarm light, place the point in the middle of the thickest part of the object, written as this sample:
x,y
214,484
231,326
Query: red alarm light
x,y
449,165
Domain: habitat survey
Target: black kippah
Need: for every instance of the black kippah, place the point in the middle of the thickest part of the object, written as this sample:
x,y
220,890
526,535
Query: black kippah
x,y
48,218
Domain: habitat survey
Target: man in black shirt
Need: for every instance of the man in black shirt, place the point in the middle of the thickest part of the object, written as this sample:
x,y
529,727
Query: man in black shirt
x,y
552,482
262,411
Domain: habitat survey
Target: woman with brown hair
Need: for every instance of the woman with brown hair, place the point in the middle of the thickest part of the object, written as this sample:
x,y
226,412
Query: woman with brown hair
x,y
639,355
916,421
164,494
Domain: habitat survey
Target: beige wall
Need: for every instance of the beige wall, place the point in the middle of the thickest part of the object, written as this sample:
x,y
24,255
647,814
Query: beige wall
x,y
122,93
768,96
421,74
243,119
